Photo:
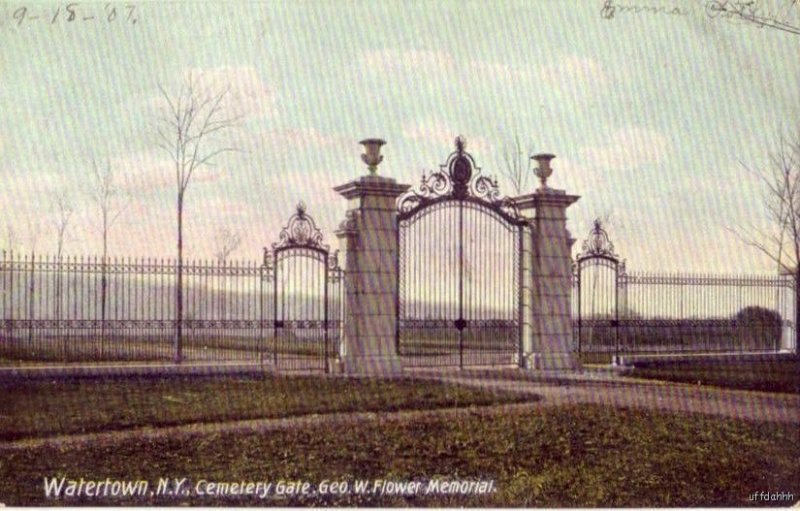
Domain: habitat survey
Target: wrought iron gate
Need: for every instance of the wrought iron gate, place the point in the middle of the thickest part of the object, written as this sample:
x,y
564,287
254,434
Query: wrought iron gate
x,y
599,275
619,312
459,269
306,297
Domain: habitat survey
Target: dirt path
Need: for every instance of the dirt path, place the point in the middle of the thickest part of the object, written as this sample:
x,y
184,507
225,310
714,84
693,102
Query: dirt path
x,y
674,397
666,397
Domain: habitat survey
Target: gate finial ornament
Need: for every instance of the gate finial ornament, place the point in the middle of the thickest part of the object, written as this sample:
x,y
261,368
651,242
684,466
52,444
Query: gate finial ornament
x,y
372,157
598,244
543,170
300,231
461,143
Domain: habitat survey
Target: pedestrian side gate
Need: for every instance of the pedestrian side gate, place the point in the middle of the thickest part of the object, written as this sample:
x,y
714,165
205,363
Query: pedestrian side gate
x,y
306,297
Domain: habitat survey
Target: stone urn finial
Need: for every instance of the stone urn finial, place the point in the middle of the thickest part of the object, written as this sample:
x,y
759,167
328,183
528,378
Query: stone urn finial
x,y
543,169
372,157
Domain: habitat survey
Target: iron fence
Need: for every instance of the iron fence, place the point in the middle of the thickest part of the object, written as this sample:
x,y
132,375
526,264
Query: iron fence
x,y
123,309
616,312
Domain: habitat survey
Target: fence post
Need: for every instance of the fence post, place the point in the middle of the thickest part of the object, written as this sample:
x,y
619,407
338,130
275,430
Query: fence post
x,y
369,246
31,300
551,346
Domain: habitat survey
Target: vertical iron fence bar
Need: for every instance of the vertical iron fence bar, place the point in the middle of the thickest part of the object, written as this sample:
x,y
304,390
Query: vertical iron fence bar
x,y
616,310
519,284
11,304
261,272
398,270
31,288
580,312
275,309
460,248
325,312
103,299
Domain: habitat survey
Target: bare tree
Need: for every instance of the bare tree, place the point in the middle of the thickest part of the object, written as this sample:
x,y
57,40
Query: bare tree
x,y
10,240
62,214
778,237
187,134
34,230
515,165
62,210
227,241
111,200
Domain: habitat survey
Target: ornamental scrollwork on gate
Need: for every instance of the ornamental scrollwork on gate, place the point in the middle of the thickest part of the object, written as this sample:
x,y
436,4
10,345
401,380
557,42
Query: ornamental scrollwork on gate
x,y
333,260
458,178
300,232
596,249
598,244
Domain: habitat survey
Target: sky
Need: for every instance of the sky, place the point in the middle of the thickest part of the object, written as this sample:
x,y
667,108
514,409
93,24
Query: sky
x,y
651,115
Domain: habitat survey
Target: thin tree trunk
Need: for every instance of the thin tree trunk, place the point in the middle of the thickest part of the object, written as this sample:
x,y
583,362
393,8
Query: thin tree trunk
x,y
179,288
103,287
31,300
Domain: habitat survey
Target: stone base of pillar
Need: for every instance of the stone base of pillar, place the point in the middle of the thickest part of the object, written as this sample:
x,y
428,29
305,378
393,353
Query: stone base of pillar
x,y
563,361
372,365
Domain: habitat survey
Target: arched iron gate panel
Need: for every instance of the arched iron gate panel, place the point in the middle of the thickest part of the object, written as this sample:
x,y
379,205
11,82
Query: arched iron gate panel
x,y
305,298
619,312
599,281
460,270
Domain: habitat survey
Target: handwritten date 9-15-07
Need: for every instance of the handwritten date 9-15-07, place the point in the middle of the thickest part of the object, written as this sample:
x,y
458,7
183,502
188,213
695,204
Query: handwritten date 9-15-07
x,y
75,12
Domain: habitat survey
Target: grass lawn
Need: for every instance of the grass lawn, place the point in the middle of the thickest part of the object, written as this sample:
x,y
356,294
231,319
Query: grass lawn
x,y
568,456
776,375
42,408
203,346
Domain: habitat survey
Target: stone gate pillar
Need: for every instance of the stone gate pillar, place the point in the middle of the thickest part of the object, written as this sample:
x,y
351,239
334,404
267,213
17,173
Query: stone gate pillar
x,y
549,345
368,240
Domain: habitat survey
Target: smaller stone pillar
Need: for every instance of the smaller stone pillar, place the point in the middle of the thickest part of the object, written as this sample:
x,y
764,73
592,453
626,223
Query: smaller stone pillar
x,y
788,342
368,240
348,248
527,290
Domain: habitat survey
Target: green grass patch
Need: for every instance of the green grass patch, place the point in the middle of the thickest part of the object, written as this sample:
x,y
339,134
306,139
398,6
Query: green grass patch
x,y
771,375
198,347
41,408
584,456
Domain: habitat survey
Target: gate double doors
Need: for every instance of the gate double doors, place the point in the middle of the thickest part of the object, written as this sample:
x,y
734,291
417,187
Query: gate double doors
x,y
459,270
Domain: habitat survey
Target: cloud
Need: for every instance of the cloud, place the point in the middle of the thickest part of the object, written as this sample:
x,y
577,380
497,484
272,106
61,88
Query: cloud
x,y
501,72
301,138
149,171
247,95
394,61
442,134
436,64
574,69
628,148
225,209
